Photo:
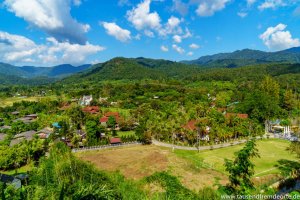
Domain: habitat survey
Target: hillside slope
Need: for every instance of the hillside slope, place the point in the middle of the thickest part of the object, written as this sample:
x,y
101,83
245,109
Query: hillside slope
x,y
248,57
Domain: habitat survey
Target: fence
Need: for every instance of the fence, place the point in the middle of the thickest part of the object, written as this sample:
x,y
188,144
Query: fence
x,y
92,148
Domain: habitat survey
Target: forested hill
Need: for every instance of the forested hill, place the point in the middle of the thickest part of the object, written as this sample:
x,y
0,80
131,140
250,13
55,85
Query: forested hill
x,y
142,68
248,57
134,69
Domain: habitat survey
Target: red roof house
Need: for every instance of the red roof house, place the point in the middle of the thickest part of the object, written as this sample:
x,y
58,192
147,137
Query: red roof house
x,y
91,109
115,141
105,118
191,125
239,115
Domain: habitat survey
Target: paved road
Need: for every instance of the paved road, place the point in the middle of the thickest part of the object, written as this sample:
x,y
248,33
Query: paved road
x,y
201,148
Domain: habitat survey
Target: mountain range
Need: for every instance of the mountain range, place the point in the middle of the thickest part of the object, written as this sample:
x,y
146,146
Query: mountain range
x,y
273,63
58,71
248,57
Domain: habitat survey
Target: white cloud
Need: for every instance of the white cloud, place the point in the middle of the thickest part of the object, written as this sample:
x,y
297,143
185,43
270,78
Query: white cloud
x,y
178,49
267,4
18,49
180,7
190,53
275,38
210,7
142,18
242,14
164,48
149,33
173,22
116,31
194,46
51,16
171,27
177,39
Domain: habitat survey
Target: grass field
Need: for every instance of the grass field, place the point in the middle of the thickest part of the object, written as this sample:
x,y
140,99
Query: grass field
x,y
270,152
195,170
126,133
9,101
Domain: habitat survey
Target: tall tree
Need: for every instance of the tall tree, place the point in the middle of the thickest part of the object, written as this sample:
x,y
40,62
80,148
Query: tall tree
x,y
270,87
242,169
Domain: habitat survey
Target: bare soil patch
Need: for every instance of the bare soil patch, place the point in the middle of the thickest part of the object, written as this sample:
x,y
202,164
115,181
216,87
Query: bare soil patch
x,y
141,161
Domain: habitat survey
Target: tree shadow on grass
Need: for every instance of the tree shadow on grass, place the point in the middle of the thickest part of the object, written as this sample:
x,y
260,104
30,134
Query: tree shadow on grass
x,y
288,167
290,170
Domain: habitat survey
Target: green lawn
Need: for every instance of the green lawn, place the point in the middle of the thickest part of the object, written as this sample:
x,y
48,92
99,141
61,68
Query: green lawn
x,y
270,152
23,169
125,133
9,101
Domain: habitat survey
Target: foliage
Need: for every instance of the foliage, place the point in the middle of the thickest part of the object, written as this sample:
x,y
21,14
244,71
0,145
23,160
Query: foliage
x,y
242,169
172,186
295,148
21,154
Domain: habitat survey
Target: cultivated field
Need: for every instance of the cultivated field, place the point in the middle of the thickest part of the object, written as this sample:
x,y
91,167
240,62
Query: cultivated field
x,y
9,101
195,170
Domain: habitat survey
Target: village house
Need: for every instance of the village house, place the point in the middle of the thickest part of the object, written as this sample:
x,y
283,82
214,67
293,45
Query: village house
x,y
104,119
91,109
192,126
115,141
45,133
28,135
239,115
27,118
86,100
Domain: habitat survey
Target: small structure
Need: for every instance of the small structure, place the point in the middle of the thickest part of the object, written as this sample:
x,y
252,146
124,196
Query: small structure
x,y
56,125
91,109
15,113
32,116
28,135
86,100
103,99
276,126
45,133
114,141
25,120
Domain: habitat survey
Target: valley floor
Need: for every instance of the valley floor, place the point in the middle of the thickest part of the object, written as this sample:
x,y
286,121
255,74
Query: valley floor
x,y
195,170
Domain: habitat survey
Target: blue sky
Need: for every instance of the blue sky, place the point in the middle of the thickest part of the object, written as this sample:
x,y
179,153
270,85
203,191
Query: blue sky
x,y
51,32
